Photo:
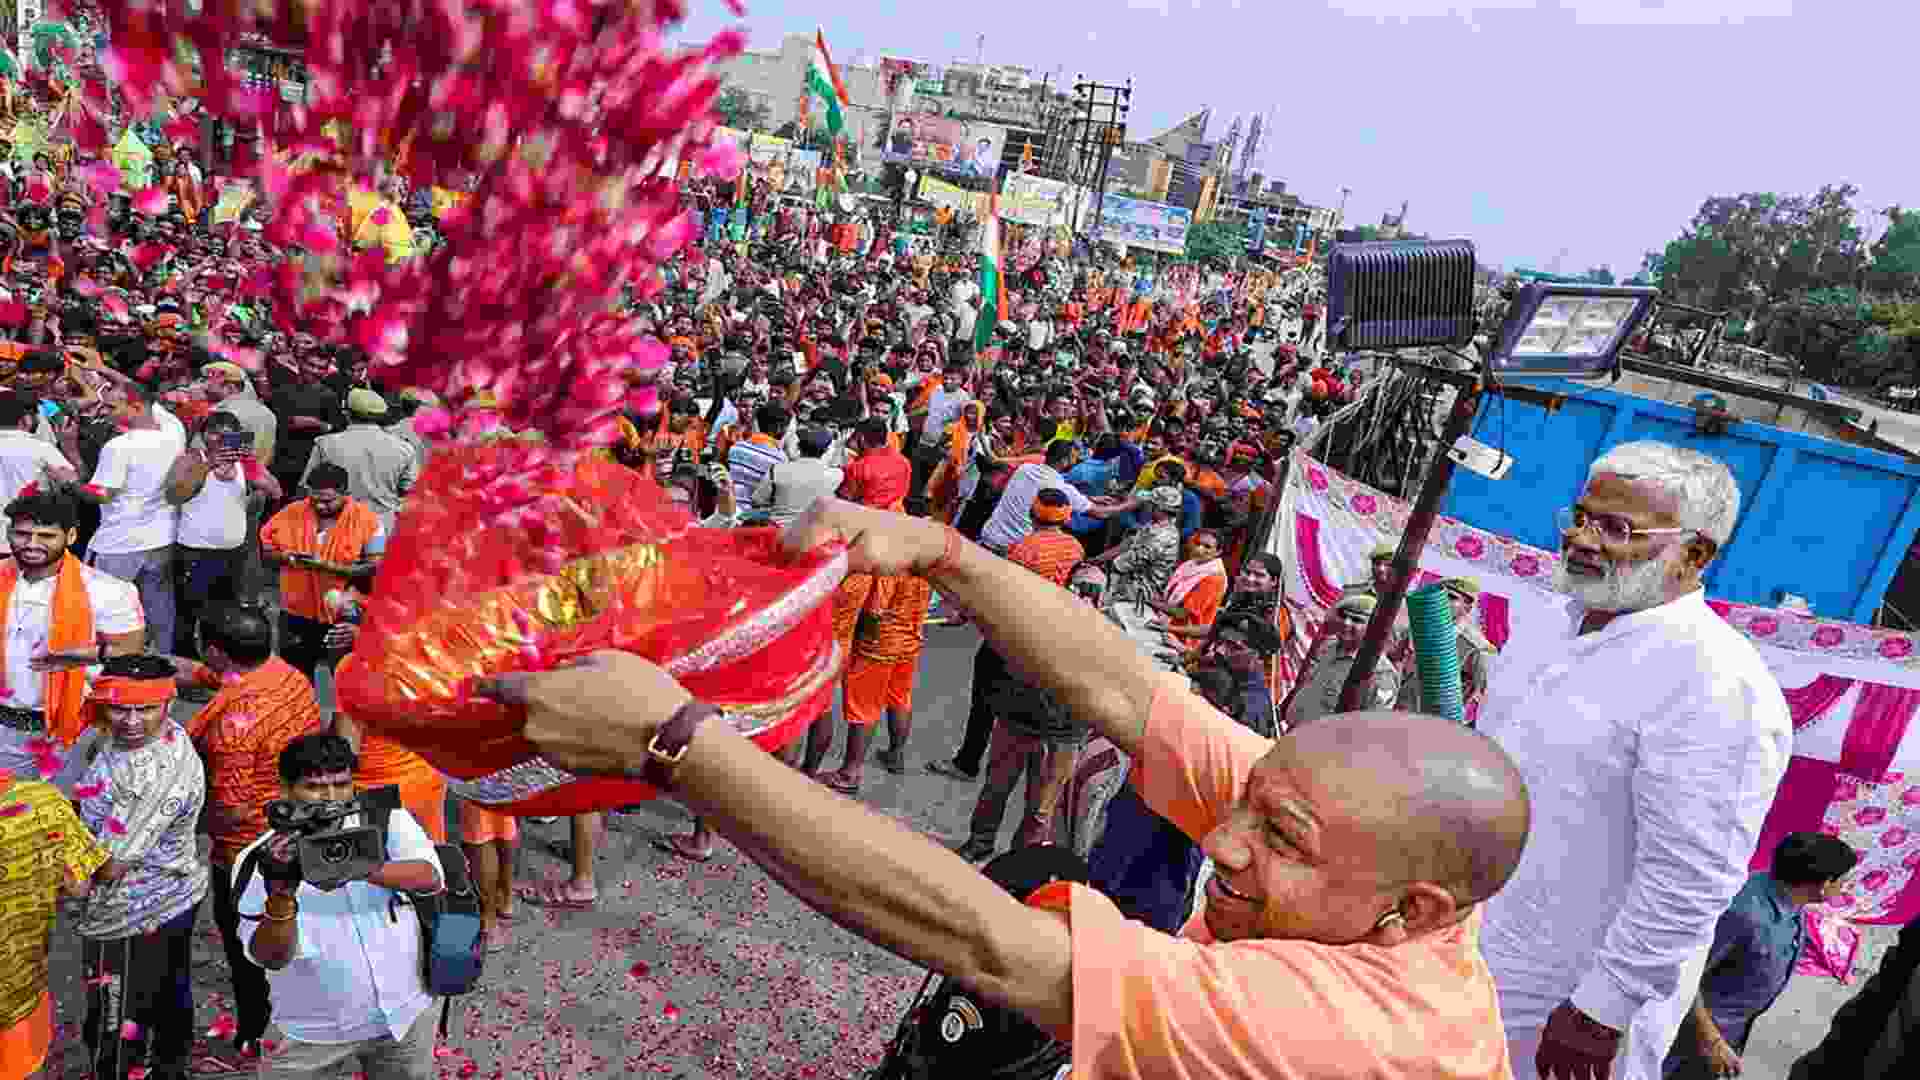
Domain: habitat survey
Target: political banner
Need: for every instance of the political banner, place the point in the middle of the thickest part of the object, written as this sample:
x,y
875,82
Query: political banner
x,y
926,141
947,196
1034,200
236,195
1142,224
1257,231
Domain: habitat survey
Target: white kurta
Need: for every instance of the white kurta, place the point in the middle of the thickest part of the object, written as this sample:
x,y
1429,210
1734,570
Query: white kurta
x,y
1651,749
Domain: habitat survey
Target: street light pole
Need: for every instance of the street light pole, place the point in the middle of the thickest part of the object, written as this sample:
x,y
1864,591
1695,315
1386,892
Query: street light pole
x,y
1103,111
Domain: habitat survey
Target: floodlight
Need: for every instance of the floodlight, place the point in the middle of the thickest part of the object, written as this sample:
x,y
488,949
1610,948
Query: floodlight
x,y
1396,294
1569,331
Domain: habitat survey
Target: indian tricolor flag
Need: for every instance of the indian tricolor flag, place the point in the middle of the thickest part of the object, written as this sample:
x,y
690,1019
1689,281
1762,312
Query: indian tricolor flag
x,y
823,81
993,298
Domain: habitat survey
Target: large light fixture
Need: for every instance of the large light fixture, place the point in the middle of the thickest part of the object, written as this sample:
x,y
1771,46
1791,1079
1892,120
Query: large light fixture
x,y
1396,294
1568,331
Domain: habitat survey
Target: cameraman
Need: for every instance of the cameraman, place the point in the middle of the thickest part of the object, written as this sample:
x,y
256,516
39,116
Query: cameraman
x,y
357,991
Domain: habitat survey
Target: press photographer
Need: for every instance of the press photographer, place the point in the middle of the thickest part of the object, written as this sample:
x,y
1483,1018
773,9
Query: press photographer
x,y
356,993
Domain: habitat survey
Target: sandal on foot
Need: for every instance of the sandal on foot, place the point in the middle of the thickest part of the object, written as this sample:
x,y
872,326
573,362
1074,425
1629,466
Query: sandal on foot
x,y
951,771
556,894
683,847
842,783
894,761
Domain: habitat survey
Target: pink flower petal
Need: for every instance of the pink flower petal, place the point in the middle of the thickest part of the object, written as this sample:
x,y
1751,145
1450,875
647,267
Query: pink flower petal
x,y
151,200
116,826
13,809
88,791
102,176
130,1030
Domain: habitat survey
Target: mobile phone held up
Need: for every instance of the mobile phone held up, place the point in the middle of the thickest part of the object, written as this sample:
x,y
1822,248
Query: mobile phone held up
x,y
232,442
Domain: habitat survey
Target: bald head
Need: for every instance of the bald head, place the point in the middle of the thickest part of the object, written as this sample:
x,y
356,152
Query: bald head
x,y
1447,804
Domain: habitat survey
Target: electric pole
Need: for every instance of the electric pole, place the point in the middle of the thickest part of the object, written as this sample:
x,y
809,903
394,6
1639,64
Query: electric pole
x,y
1100,112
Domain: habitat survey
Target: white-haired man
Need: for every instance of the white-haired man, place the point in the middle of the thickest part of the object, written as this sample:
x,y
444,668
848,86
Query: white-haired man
x,y
1652,737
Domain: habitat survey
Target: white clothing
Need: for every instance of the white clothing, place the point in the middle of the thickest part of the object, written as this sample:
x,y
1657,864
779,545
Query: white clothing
x,y
29,617
792,486
135,465
216,517
169,423
1012,516
964,316
24,459
356,970
1039,334
1651,749
943,408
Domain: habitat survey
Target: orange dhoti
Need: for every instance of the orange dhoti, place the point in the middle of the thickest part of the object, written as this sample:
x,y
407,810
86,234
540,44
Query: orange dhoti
x,y
479,825
871,687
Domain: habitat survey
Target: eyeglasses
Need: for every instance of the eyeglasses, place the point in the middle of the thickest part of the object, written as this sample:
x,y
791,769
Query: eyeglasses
x,y
1609,527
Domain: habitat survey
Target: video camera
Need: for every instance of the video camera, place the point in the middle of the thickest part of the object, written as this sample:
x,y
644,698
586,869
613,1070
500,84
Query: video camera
x,y
328,854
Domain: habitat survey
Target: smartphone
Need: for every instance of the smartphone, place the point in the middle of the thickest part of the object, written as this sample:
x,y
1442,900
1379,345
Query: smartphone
x,y
233,442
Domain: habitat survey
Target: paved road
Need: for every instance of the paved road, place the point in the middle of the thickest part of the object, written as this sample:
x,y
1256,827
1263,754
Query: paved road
x,y
682,970
714,971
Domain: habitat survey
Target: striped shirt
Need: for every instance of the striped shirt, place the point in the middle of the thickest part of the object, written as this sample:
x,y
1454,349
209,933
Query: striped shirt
x,y
1051,553
748,462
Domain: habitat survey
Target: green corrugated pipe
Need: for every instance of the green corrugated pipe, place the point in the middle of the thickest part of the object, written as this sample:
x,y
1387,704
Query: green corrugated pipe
x,y
1436,651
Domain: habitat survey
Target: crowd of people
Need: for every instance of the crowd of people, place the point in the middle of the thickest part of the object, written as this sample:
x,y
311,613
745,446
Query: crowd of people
x,y
1283,887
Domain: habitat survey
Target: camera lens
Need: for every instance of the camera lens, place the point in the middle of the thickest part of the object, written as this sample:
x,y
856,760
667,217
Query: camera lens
x,y
333,852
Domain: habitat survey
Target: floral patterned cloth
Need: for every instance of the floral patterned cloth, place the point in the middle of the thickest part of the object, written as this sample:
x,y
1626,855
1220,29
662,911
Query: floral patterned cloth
x,y
1876,820
144,805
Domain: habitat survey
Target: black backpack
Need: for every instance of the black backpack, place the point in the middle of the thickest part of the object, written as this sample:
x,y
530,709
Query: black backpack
x,y
954,1034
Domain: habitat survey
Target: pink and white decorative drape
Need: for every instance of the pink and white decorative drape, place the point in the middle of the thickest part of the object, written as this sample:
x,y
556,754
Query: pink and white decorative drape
x,y
1853,690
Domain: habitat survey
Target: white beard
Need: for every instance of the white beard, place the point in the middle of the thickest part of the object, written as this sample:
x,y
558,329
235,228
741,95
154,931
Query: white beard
x,y
1620,591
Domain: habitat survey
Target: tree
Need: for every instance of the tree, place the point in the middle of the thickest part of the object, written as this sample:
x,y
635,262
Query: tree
x,y
739,109
1896,256
1216,241
1753,250
1822,328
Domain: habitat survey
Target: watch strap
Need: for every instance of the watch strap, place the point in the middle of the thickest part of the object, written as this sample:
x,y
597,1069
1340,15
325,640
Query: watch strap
x,y
668,746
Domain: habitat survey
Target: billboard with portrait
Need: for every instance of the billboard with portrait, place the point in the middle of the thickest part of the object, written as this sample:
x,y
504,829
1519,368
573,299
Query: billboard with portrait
x,y
1035,200
926,141
1142,224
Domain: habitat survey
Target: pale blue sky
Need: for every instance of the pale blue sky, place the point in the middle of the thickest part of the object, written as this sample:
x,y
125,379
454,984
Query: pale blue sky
x,y
1530,126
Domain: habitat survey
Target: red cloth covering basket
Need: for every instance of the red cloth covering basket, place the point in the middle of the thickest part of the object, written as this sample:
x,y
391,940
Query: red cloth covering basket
x,y
586,555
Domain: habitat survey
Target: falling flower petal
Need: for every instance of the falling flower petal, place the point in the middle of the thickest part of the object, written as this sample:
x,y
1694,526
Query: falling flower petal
x,y
116,826
13,810
88,791
224,1027
151,200
102,176
130,1030
146,256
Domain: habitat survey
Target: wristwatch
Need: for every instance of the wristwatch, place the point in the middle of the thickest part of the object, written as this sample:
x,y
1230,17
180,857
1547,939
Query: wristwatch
x,y
668,746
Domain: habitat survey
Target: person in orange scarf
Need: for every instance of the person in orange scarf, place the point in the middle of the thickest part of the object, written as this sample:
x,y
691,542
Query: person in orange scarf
x,y
888,635
943,488
1195,591
60,616
320,543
